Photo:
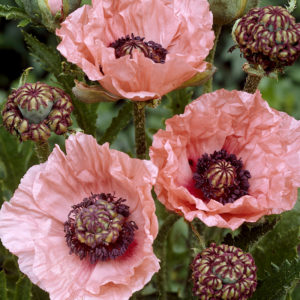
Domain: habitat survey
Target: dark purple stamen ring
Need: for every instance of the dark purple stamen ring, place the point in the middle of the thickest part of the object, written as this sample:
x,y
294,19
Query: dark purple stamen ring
x,y
220,176
98,228
125,46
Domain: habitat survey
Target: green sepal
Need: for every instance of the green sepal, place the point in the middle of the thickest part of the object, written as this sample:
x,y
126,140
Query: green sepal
x,y
118,123
23,288
279,281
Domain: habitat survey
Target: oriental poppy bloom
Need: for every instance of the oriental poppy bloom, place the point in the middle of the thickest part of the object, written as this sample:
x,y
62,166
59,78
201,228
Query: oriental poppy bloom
x,y
139,50
228,159
83,224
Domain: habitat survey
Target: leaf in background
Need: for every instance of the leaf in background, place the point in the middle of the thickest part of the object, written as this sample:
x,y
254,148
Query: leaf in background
x,y
12,12
118,123
23,289
178,99
38,294
280,243
47,56
279,281
86,115
3,289
249,233
15,156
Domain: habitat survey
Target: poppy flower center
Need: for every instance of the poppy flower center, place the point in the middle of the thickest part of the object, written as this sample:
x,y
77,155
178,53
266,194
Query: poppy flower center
x,y
220,176
98,227
152,50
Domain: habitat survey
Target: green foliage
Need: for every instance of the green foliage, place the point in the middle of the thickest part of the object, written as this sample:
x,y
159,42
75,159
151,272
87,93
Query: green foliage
x,y
15,156
178,100
249,233
12,13
86,115
118,123
3,289
279,244
278,282
23,289
47,56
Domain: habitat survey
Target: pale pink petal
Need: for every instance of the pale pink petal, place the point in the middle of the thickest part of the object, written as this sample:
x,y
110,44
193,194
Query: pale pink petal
x,y
183,28
42,203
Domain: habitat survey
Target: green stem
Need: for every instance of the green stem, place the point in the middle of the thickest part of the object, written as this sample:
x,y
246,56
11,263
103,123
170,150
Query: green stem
x,y
208,86
160,247
42,151
140,132
252,83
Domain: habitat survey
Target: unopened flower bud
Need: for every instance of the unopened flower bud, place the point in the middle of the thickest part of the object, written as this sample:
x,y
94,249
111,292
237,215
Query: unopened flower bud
x,y
35,109
49,12
226,11
268,37
224,272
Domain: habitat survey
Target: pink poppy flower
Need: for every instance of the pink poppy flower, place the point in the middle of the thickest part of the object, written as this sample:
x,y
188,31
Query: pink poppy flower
x,y
75,203
139,50
228,159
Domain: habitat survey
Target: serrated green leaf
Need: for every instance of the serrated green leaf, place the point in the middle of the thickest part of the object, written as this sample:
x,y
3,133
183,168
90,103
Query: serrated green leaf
x,y
280,243
47,56
51,60
250,234
118,123
178,99
280,279
23,289
3,289
12,12
24,23
15,156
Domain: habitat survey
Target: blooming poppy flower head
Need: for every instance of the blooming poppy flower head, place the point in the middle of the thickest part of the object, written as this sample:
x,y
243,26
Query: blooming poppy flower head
x,y
88,222
228,159
139,50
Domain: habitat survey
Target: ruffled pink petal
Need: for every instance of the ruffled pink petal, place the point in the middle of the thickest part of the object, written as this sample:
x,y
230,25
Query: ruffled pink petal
x,y
183,29
41,206
268,142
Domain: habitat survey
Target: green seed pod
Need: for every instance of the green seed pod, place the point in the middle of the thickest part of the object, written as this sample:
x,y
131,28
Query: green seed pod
x,y
226,11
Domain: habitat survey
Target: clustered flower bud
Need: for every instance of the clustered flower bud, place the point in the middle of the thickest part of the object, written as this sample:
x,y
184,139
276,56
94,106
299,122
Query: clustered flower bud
x,y
35,109
224,272
268,37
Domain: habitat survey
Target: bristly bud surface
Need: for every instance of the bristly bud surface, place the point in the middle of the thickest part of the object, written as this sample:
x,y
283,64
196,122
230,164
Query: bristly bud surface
x,y
35,109
224,272
268,37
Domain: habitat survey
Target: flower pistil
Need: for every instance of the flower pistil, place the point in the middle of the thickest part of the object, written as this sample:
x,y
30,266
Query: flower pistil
x,y
98,227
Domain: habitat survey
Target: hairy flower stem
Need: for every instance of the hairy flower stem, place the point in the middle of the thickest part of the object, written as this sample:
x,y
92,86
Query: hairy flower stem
x,y
208,86
139,126
42,151
160,248
252,83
